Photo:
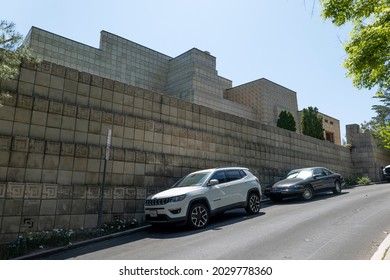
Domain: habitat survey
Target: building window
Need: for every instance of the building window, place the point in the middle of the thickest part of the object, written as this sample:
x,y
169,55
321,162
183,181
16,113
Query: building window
x,y
329,136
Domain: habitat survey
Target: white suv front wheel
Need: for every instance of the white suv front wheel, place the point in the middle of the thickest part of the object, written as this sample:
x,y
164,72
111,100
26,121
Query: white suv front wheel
x,y
199,216
253,204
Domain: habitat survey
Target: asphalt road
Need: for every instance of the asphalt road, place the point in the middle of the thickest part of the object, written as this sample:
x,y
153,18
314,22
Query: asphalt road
x,y
349,226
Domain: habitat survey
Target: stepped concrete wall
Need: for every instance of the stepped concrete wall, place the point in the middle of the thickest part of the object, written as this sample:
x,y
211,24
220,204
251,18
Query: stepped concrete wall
x,y
52,145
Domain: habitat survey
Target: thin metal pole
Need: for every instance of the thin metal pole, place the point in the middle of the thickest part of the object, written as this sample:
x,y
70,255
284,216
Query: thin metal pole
x,y
106,158
102,197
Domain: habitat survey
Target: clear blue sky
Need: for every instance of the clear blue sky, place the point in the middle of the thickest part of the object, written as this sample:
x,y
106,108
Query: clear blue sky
x,y
284,41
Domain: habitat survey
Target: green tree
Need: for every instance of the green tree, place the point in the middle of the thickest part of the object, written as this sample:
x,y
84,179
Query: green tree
x,y
312,123
379,125
368,53
12,53
368,49
286,120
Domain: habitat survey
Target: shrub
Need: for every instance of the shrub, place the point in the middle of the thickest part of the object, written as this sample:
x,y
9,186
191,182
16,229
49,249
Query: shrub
x,y
350,181
33,241
364,181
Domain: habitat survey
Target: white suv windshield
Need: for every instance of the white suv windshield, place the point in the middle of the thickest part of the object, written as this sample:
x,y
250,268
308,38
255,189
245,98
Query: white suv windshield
x,y
196,179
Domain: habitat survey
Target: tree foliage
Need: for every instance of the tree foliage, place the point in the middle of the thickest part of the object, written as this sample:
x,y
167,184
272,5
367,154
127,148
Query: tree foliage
x,y
12,53
379,125
368,48
286,120
368,53
312,123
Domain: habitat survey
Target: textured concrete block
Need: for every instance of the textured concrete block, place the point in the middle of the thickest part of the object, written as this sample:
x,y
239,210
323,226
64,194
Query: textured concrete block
x,y
92,206
48,207
78,206
45,223
20,129
10,224
83,89
13,207
15,174
62,221
25,88
42,79
78,178
31,207
64,207
70,110
77,221
18,159
85,78
57,82
72,74
64,177
7,113
38,118
4,158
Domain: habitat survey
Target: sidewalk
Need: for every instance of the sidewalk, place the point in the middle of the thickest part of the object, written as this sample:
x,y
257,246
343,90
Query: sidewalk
x,y
383,252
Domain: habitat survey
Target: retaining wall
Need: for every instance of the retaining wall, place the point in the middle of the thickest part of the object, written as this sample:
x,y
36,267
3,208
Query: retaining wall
x,y
52,145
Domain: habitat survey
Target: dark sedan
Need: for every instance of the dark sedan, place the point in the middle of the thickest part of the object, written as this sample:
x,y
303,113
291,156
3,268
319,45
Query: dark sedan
x,y
305,183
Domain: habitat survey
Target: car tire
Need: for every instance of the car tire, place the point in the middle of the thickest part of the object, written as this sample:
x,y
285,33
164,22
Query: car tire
x,y
337,187
199,216
253,204
308,193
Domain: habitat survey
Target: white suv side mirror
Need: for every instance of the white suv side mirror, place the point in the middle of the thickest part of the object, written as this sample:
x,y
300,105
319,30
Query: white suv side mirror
x,y
213,182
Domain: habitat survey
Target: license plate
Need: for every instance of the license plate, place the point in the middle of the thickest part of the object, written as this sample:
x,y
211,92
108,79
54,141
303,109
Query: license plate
x,y
153,213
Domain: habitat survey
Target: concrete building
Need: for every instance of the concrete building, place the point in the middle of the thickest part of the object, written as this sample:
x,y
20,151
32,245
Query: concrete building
x,y
191,76
331,129
168,117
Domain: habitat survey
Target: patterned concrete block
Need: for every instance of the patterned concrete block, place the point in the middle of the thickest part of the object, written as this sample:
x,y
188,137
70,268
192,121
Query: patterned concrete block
x,y
49,191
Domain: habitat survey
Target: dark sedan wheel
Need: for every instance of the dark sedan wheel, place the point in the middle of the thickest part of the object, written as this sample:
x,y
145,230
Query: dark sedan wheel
x,y
308,193
337,187
198,216
253,204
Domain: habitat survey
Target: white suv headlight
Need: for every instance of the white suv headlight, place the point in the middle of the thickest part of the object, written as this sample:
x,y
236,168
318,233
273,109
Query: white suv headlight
x,y
177,198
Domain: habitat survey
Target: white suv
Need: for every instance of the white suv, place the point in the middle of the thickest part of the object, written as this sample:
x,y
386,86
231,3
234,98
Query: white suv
x,y
197,196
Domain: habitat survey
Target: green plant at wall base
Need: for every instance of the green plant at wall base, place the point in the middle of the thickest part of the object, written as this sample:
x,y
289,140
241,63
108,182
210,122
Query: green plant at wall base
x,y
364,180
350,181
33,241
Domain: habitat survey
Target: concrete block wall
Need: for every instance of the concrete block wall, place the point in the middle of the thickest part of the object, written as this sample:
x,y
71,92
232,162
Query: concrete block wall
x,y
52,144
366,156
267,98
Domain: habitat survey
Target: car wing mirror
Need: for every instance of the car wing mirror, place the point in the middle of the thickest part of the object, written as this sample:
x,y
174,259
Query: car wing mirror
x,y
213,182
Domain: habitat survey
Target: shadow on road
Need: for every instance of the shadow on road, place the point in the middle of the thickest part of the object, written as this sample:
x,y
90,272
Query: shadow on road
x,y
217,223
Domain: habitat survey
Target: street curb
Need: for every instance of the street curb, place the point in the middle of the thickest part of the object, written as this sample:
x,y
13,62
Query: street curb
x,y
382,252
48,252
